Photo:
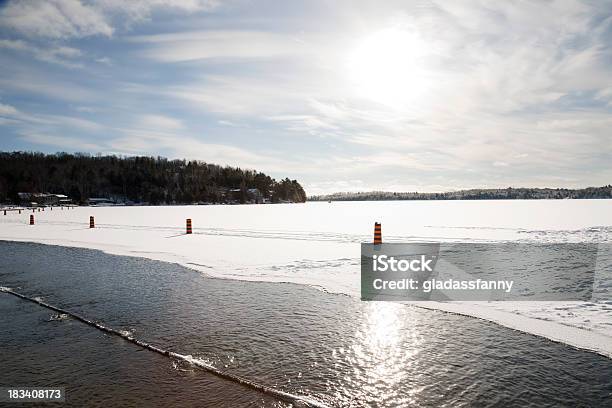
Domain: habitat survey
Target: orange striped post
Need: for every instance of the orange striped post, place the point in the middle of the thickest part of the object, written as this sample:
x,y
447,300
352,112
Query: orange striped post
x,y
377,233
188,221
31,219
91,222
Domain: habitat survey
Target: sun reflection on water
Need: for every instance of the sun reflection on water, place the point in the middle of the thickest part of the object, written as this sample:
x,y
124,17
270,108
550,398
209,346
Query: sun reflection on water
x,y
383,356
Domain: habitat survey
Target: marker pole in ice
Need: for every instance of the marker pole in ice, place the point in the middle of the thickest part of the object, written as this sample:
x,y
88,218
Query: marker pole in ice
x,y
91,222
31,219
188,221
4,212
377,233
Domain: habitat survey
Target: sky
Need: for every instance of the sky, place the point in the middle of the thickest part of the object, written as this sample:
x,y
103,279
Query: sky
x,y
340,95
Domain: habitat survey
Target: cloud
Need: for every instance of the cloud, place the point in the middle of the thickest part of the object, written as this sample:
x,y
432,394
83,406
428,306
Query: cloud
x,y
63,142
228,44
54,54
65,19
55,19
159,122
7,110
140,10
68,121
139,141
229,123
86,109
240,95
104,60
35,82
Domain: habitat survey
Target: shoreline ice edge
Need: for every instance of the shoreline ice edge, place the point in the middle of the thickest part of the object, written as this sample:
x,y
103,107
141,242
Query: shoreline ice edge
x,y
576,337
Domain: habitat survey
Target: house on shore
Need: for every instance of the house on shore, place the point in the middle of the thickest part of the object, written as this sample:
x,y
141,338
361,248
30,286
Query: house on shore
x,y
43,199
248,196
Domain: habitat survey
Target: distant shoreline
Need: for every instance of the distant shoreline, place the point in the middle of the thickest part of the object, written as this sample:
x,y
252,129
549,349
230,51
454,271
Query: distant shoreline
x,y
604,192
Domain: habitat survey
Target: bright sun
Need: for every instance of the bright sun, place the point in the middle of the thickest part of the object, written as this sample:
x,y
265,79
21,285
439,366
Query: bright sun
x,y
387,67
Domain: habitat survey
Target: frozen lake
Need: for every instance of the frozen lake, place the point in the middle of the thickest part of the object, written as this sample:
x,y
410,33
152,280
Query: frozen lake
x,y
317,244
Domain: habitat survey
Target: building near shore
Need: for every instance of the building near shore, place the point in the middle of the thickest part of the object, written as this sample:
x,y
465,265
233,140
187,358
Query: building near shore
x,y
245,196
43,199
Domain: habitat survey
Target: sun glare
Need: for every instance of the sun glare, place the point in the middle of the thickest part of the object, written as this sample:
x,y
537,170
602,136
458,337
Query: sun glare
x,y
387,67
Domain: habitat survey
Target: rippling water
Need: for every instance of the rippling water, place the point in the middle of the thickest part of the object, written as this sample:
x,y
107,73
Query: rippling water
x,y
102,371
334,348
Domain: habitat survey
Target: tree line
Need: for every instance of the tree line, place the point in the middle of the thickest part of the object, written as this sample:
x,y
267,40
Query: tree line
x,y
475,194
140,179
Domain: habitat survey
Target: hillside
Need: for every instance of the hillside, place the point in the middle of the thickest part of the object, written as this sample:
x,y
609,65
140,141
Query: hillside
x,y
152,180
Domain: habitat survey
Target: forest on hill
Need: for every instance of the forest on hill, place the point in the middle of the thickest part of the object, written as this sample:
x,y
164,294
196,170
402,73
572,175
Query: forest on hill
x,y
475,194
152,180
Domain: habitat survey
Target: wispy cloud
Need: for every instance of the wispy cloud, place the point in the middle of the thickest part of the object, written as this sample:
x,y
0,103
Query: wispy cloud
x,y
64,19
228,44
159,122
33,82
7,110
60,142
55,19
55,54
